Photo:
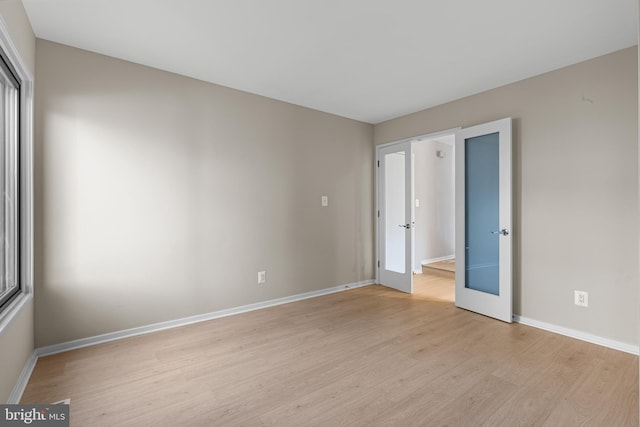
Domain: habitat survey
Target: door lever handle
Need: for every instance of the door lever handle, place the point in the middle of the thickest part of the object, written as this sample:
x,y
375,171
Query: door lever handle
x,y
504,232
407,226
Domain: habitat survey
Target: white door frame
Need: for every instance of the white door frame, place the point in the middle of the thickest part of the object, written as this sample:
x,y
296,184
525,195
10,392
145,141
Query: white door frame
x,y
419,138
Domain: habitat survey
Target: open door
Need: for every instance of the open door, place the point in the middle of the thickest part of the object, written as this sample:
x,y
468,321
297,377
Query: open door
x,y
483,219
394,216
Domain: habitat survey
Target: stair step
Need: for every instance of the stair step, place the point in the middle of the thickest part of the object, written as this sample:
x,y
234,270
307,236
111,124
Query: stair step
x,y
441,268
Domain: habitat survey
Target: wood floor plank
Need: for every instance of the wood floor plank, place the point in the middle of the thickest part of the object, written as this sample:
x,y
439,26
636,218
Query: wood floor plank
x,y
365,357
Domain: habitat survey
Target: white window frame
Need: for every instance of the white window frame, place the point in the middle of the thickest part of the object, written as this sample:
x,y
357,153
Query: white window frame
x,y
11,310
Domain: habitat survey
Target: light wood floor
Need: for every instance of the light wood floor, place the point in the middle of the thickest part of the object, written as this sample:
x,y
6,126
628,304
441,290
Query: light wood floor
x,y
366,357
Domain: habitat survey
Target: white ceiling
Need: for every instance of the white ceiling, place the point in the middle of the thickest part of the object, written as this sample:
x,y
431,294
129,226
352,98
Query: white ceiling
x,y
369,60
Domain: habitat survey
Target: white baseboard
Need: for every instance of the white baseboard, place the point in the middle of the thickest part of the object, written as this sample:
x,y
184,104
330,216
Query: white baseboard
x,y
442,258
23,379
583,336
112,336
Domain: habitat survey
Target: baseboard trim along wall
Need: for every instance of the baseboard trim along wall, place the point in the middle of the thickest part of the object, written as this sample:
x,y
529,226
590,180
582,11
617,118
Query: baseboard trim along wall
x,y
112,336
23,379
583,336
442,258
21,385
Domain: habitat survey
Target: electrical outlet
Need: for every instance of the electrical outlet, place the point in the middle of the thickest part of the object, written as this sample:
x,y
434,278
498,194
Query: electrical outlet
x,y
262,277
581,298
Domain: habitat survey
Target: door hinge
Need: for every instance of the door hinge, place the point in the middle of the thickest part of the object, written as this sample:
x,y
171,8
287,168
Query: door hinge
x,y
378,163
378,214
378,263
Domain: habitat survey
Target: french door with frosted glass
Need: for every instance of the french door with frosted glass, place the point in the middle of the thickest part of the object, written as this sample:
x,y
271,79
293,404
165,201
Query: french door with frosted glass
x,y
394,216
483,219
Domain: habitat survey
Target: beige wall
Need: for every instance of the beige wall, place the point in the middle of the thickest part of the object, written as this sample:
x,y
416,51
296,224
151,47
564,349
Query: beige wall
x,y
15,17
161,197
16,340
576,188
16,347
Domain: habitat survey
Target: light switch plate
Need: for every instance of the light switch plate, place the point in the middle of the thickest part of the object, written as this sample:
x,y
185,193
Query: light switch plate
x,y
325,201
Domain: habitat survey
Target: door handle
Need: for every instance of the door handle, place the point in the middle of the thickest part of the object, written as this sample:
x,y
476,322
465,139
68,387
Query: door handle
x,y
407,226
504,232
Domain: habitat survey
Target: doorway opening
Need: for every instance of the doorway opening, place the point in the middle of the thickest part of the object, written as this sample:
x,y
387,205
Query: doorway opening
x,y
434,215
416,209
434,205
481,213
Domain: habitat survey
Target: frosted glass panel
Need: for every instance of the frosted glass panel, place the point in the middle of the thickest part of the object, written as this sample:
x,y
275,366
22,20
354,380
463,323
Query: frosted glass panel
x,y
482,213
394,191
